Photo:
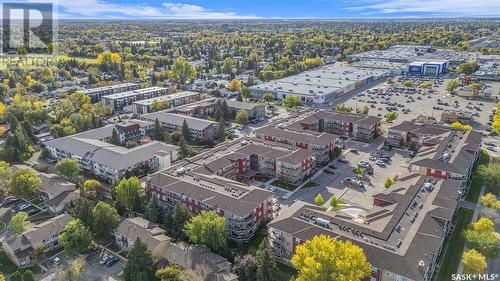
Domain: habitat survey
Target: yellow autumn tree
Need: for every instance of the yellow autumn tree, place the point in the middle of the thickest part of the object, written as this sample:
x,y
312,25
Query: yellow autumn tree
x,y
324,258
2,110
474,262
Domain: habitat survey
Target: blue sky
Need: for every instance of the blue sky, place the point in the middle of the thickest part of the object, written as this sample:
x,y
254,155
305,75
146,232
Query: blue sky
x,y
237,9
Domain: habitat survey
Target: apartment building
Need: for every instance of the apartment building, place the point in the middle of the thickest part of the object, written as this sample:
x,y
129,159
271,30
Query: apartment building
x,y
119,101
357,126
442,152
19,248
95,94
199,129
287,163
254,110
110,162
167,101
402,235
319,143
163,248
243,206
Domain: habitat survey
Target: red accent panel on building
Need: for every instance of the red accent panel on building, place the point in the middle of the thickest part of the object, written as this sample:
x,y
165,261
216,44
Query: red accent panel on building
x,y
437,174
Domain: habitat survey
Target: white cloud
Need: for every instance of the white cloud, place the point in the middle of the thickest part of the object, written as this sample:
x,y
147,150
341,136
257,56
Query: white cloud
x,y
182,10
105,9
440,7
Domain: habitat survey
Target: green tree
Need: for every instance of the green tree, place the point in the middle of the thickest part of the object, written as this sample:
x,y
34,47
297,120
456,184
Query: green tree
x,y
391,116
319,199
91,188
129,194
246,93
158,131
207,228
28,275
24,182
176,221
221,133
114,137
172,272
343,108
242,117
336,203
426,85
481,236
388,182
365,110
5,175
474,262
67,167
468,68
182,71
292,101
325,258
83,211
453,85
185,130
228,66
154,211
268,97
76,237
19,222
266,263
74,271
408,84
490,173
139,262
105,219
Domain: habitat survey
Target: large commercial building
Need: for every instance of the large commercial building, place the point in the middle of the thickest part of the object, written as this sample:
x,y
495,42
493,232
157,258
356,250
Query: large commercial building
x,y
401,235
358,126
96,93
120,100
168,101
321,84
199,129
428,67
135,154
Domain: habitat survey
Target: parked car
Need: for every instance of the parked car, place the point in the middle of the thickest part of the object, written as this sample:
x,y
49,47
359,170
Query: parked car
x,y
23,206
343,161
56,260
112,261
105,259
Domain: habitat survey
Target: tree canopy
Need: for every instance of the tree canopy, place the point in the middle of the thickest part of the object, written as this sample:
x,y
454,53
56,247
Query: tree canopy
x,y
207,228
325,258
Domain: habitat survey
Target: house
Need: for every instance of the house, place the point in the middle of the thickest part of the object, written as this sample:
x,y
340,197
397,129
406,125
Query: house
x,y
96,93
187,256
19,248
199,129
56,192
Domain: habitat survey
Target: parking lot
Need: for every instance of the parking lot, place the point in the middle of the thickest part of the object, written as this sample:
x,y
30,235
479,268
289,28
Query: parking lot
x,y
357,152
91,271
412,102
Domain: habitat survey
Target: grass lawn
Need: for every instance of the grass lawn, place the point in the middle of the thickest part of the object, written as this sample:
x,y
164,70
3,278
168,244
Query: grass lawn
x,y
310,184
43,215
454,246
113,247
3,226
6,266
262,178
251,246
477,181
285,185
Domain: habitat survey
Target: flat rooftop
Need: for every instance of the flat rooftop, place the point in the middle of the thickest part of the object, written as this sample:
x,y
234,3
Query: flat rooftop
x,y
134,93
168,97
404,229
110,87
